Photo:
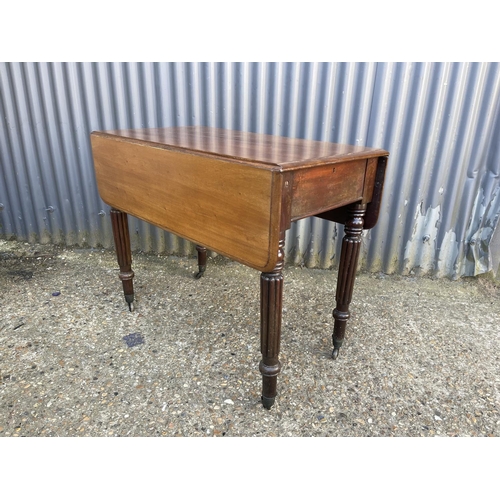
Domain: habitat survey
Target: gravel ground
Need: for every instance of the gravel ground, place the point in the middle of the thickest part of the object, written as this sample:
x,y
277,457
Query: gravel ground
x,y
421,356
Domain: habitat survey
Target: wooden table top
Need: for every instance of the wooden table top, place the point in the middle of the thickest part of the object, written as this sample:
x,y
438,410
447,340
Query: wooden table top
x,y
273,152
233,192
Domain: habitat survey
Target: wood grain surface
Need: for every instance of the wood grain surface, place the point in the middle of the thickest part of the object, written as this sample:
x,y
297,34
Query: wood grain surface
x,y
229,191
270,151
228,207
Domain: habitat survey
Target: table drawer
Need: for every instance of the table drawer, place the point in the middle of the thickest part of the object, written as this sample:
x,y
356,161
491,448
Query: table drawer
x,y
322,188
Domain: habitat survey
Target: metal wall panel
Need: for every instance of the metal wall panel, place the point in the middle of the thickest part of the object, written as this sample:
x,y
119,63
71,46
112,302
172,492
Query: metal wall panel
x,y
439,121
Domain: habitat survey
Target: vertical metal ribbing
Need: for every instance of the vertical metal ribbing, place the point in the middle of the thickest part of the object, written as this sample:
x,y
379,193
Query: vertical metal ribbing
x,y
437,120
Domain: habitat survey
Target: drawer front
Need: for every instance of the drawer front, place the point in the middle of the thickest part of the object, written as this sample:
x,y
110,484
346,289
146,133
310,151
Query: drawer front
x,y
322,188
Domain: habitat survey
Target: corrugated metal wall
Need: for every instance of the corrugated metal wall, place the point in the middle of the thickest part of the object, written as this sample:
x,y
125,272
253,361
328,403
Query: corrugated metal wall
x,y
440,122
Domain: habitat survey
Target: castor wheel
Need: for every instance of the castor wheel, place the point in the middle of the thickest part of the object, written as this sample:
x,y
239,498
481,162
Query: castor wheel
x,y
267,402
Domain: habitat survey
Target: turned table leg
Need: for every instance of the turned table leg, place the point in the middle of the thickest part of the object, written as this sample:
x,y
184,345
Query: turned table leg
x,y
121,236
202,261
271,301
347,272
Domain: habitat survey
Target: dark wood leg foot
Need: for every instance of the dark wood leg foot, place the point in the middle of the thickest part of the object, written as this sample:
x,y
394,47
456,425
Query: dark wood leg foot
x,y
202,261
271,300
121,236
347,272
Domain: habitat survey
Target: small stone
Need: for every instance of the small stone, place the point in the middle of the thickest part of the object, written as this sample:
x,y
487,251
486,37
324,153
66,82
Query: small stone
x,y
133,339
437,418
229,401
56,294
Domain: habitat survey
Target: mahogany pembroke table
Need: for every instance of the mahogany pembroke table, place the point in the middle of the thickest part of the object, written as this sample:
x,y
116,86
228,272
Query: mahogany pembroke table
x,y
237,193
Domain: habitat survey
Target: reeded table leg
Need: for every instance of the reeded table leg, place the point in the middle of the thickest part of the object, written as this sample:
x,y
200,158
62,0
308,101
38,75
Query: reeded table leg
x,y
121,236
202,261
271,300
347,272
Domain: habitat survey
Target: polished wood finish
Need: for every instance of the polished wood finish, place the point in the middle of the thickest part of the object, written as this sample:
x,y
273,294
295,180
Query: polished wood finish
x,y
233,207
267,151
313,187
351,244
119,223
233,179
372,196
237,193
373,208
202,261
271,303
